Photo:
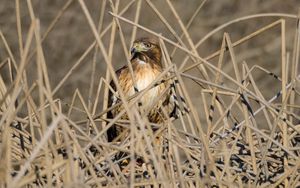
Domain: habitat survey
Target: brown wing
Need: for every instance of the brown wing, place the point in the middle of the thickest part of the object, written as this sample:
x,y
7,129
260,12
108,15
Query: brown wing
x,y
112,132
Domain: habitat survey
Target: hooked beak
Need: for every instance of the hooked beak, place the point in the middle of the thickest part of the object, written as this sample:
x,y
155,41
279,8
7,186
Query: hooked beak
x,y
136,48
133,51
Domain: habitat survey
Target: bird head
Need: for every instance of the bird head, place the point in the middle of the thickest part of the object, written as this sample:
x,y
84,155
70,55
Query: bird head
x,y
146,48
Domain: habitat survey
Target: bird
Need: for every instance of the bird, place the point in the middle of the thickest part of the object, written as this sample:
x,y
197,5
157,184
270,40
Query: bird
x,y
145,59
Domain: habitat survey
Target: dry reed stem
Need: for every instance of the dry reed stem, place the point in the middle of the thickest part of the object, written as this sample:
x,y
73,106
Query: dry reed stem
x,y
203,143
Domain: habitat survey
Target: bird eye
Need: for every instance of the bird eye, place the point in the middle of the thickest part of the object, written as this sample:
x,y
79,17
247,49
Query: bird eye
x,y
148,45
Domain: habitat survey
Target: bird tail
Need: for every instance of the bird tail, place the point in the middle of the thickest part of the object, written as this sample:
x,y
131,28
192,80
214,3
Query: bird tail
x,y
177,99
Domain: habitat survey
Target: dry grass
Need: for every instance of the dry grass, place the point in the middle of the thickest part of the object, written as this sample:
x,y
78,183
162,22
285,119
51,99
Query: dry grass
x,y
241,127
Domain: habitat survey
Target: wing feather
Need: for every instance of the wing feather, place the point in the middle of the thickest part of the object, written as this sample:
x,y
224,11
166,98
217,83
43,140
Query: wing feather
x,y
112,132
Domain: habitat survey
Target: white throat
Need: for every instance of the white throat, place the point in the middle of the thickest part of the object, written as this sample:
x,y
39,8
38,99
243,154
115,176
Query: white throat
x,y
141,62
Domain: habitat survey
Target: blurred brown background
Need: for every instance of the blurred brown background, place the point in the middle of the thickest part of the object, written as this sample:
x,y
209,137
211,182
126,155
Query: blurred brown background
x,y
72,35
